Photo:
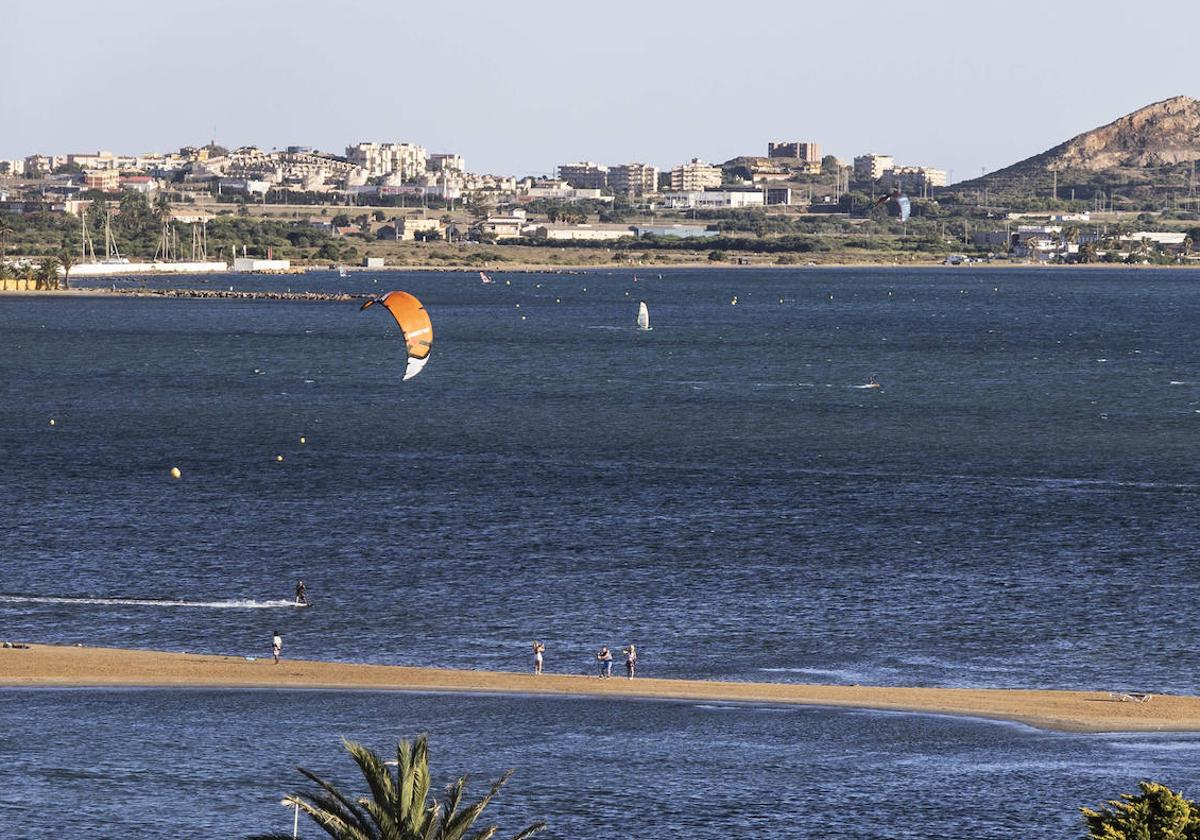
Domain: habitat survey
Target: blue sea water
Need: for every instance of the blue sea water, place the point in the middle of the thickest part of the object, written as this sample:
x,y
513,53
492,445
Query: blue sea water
x,y
1015,506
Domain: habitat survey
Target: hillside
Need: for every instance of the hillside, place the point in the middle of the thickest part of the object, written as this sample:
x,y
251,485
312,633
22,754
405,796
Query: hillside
x,y
1147,151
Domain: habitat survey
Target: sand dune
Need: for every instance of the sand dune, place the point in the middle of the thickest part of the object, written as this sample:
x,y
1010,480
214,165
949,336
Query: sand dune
x,y
1081,711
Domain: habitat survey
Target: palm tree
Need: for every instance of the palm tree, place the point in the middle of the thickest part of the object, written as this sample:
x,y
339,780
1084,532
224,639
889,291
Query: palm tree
x,y
47,275
399,807
66,259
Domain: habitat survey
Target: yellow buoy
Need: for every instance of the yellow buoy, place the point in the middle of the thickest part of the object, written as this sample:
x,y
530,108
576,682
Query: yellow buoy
x,y
51,421
304,440
175,473
278,457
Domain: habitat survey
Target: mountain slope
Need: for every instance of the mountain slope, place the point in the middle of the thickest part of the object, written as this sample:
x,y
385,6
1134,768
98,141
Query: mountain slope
x,y
1144,147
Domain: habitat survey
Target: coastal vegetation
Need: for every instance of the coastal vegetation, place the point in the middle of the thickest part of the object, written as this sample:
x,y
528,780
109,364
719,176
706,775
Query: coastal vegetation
x,y
398,806
1157,813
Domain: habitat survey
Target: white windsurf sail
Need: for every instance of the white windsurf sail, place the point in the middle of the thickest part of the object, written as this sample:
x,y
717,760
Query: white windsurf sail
x,y
643,318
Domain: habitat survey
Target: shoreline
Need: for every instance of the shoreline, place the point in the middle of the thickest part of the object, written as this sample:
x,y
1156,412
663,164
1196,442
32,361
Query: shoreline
x,y
54,666
184,292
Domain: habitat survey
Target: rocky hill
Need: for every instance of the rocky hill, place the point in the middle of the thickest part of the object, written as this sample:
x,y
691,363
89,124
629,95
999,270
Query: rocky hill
x,y
1153,146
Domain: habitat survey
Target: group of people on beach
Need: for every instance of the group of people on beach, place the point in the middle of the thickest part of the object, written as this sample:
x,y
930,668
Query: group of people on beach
x,y
604,658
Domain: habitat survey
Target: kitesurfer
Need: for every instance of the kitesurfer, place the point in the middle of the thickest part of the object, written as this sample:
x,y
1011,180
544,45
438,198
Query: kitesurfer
x,y
301,594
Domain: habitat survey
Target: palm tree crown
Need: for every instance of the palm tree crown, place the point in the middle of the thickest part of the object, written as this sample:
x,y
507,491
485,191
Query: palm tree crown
x,y
399,807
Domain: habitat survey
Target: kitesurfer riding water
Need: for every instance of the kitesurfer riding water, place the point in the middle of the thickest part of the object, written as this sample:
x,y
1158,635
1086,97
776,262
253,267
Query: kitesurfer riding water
x,y
301,594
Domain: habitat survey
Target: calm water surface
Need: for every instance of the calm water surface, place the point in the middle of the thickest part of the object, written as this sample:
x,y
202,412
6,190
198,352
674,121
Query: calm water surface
x,y
1016,506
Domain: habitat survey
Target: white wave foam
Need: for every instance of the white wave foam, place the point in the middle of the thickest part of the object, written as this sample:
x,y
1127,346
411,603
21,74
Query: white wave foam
x,y
232,604
835,673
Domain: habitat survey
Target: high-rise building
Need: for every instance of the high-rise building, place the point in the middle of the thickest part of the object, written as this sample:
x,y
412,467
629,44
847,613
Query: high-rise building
x,y
584,175
695,175
633,179
870,167
406,160
797,150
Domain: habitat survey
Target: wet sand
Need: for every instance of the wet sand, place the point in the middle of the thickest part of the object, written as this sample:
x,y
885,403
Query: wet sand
x,y
1077,711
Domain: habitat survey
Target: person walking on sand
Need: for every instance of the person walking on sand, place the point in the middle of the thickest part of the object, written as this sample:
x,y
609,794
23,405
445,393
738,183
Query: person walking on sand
x,y
538,650
630,659
276,646
604,657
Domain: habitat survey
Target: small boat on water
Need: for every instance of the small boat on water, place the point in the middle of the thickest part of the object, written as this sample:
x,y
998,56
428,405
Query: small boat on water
x,y
643,316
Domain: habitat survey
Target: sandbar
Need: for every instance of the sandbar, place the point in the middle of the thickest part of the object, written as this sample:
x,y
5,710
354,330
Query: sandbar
x,y
1074,711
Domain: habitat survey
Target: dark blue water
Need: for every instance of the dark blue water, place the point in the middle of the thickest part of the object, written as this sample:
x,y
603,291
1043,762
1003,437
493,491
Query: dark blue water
x,y
215,764
1016,506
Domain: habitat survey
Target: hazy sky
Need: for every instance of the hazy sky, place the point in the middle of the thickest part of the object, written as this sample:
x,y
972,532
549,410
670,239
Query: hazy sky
x,y
518,87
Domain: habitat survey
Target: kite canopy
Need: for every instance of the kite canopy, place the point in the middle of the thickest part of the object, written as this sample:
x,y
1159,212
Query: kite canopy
x,y
414,325
900,201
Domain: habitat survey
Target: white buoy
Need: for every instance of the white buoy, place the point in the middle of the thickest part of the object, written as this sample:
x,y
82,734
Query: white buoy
x,y
278,457
175,473
51,421
303,440
558,300
522,317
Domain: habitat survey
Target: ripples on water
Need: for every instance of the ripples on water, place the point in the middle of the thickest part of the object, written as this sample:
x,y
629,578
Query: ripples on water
x,y
1006,510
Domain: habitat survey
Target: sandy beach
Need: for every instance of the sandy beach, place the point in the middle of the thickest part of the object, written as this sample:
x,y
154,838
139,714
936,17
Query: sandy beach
x,y
1076,711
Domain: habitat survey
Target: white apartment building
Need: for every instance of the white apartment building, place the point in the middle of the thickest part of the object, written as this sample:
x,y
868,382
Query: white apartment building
x,y
446,162
870,167
913,178
694,175
94,160
407,160
634,179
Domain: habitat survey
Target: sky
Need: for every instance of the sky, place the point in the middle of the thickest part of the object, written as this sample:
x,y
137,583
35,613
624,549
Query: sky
x,y
518,88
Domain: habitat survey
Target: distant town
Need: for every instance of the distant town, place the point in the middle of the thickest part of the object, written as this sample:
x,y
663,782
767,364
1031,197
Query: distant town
x,y
367,203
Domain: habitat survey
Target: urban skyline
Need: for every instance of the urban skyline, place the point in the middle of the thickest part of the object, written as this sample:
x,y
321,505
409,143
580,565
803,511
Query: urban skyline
x,y
521,92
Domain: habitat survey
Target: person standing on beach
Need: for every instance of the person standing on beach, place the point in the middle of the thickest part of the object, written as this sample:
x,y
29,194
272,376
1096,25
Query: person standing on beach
x,y
604,657
630,659
538,650
276,646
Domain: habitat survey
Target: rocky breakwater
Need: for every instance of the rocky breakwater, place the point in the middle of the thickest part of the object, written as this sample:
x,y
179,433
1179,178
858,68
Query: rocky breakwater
x,y
239,295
